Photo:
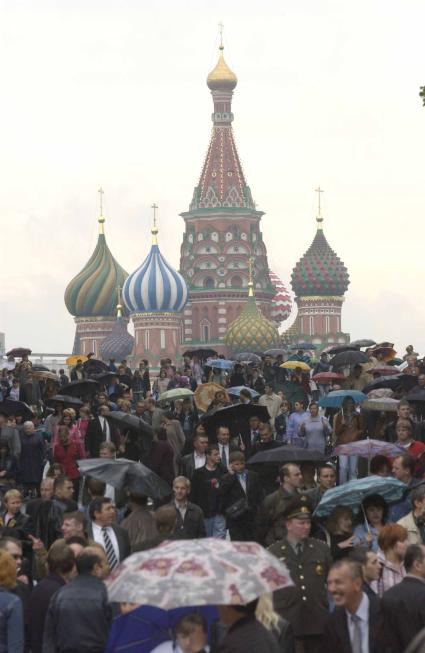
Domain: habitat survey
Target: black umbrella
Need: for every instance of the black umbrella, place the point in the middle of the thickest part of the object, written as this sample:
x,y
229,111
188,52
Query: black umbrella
x,y
18,352
235,417
274,353
126,474
9,407
66,400
247,357
305,346
288,454
338,349
83,388
200,353
40,368
416,394
128,422
95,366
105,378
347,358
406,381
125,379
363,342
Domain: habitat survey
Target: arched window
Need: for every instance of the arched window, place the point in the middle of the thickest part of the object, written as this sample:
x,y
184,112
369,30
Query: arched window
x,y
236,282
205,330
208,282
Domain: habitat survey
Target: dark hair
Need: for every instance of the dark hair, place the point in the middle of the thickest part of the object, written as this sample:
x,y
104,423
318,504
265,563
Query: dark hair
x,y
407,462
355,568
236,457
59,482
160,433
248,609
165,519
77,539
211,448
376,501
168,414
325,466
417,494
285,471
222,426
138,499
269,385
190,621
76,516
60,558
359,554
86,562
96,487
96,505
378,463
245,393
414,553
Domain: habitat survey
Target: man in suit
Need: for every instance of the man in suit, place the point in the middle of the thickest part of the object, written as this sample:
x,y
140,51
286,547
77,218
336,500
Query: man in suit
x,y
100,430
403,606
103,530
190,518
240,488
268,473
224,446
305,604
371,568
354,625
196,459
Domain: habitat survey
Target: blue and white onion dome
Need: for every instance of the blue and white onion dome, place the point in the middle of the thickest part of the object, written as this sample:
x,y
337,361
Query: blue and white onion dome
x,y
155,287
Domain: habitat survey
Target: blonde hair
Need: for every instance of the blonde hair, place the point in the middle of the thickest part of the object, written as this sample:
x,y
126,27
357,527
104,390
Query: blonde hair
x,y
12,494
7,570
265,612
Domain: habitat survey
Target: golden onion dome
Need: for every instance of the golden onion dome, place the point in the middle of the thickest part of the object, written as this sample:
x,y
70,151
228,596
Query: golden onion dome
x,y
251,331
221,78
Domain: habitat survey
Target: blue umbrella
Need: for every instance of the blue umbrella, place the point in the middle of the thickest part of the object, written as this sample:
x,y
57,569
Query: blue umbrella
x,y
334,399
237,390
220,364
144,628
352,493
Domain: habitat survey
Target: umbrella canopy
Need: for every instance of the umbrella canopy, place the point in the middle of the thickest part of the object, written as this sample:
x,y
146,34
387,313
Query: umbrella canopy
x,y
66,400
176,393
347,358
83,388
40,368
10,407
219,364
126,474
406,381
292,365
274,353
305,346
388,352
236,391
395,361
385,370
127,422
235,417
73,360
287,454
205,393
247,357
338,349
95,366
352,493
327,377
368,449
105,378
385,404
200,353
41,375
363,342
18,352
205,571
335,399
416,394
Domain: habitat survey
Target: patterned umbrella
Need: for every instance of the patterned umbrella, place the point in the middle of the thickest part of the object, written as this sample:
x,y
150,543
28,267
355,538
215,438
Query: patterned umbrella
x,y
385,370
385,404
368,449
205,571
205,393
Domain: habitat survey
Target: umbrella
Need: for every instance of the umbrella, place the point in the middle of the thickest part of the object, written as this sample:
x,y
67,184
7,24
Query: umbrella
x,y
339,349
335,399
95,366
406,381
416,394
73,360
395,361
352,493
125,474
286,454
247,357
83,388
40,368
219,364
274,353
387,351
10,407
368,449
200,353
305,346
385,370
363,342
235,417
105,378
205,571
205,393
40,375
19,352
292,365
127,422
327,377
236,391
176,393
66,400
146,627
385,404
347,358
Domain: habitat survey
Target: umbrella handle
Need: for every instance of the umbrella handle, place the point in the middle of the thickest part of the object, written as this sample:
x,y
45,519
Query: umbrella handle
x,y
365,519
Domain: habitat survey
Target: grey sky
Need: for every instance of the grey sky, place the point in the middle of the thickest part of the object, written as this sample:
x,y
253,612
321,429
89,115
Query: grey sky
x,y
113,94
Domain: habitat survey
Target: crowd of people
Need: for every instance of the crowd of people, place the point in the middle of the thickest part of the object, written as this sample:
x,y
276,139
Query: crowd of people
x,y
358,573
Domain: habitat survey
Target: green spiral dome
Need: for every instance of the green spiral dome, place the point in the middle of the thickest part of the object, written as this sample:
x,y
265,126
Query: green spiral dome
x,y
251,331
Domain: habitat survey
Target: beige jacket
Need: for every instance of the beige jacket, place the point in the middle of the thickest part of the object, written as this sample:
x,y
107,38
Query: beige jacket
x,y
413,534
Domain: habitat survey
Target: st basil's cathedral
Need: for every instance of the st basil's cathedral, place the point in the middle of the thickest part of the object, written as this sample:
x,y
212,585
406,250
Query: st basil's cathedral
x,y
224,295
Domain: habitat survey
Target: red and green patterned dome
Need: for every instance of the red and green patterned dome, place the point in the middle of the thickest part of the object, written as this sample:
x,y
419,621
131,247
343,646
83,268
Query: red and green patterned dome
x,y
320,271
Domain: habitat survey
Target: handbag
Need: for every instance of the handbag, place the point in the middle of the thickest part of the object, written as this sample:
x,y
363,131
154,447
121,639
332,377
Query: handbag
x,y
237,509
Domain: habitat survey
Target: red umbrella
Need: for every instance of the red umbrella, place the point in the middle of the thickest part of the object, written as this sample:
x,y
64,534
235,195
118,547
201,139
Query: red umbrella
x,y
327,377
385,370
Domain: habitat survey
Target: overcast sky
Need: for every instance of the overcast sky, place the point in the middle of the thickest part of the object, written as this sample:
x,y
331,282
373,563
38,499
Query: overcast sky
x,y
101,92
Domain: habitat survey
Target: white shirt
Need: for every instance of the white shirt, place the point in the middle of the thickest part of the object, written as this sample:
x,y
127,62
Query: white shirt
x,y
170,647
226,449
363,614
98,537
199,460
104,422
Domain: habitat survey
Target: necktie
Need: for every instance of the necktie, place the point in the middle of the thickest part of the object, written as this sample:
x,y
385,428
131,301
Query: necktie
x,y
110,552
356,643
223,456
299,549
104,428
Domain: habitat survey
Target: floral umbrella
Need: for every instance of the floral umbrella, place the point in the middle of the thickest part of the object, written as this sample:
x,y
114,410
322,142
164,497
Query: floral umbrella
x,y
205,393
206,571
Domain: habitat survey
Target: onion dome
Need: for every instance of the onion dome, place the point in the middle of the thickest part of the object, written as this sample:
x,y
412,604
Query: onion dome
x,y
155,287
251,331
119,343
282,302
92,292
221,78
320,272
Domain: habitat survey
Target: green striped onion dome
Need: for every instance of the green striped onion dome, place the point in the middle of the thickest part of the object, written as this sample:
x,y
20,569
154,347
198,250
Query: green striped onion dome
x,y
251,331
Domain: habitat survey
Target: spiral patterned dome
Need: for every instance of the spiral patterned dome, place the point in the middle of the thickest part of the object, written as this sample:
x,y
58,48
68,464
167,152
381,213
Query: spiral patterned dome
x,y
119,343
251,331
92,293
155,287
282,302
320,271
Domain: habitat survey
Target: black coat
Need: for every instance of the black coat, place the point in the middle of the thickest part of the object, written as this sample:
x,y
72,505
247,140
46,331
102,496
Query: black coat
x,y
403,613
187,465
39,604
95,437
206,490
249,636
192,526
232,491
122,538
336,635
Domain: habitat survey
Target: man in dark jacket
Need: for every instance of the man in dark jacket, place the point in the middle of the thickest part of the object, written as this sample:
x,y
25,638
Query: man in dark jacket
x,y
241,495
270,518
245,633
206,492
79,617
269,473
190,518
60,565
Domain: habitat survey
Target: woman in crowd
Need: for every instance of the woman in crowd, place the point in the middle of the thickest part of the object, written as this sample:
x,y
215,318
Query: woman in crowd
x,y
31,459
340,529
348,427
393,542
67,452
373,516
161,383
67,419
82,424
295,420
281,419
315,429
11,610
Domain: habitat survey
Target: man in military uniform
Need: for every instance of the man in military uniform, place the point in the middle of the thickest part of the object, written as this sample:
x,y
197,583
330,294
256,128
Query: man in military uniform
x,y
271,525
305,605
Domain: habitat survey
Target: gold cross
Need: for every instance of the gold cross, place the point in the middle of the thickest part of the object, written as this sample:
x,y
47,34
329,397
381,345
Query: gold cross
x,y
101,194
220,29
319,191
154,207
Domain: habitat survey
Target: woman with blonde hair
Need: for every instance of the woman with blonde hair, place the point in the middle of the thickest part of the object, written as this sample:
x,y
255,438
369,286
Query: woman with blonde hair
x,y
281,629
11,614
